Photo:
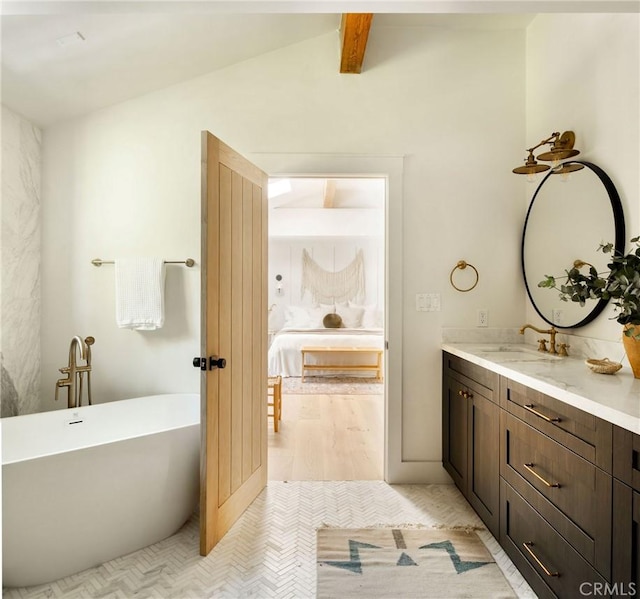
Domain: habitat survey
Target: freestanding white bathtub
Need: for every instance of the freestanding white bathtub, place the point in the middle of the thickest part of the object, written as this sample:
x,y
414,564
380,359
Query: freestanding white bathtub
x,y
85,485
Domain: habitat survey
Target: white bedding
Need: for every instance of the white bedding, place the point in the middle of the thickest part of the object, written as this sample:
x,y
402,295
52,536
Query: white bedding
x,y
284,354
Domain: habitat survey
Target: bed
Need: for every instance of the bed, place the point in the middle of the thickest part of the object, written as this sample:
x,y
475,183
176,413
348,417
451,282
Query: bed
x,y
303,328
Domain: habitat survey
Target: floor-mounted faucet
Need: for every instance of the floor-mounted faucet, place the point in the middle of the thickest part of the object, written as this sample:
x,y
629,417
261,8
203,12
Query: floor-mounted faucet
x,y
75,373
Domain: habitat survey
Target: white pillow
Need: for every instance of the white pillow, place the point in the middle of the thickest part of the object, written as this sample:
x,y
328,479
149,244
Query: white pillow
x,y
351,316
275,317
372,317
316,314
303,317
296,317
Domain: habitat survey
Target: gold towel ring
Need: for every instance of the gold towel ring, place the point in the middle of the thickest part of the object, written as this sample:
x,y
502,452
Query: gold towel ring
x,y
462,265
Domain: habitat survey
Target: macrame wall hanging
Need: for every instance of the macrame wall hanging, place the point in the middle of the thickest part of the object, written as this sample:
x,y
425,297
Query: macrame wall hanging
x,y
328,287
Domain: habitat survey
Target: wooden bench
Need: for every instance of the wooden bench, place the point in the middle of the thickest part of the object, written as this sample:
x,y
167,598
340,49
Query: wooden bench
x,y
354,351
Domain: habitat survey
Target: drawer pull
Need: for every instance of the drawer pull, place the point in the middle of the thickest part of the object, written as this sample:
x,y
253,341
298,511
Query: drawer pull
x,y
540,414
530,467
465,394
548,572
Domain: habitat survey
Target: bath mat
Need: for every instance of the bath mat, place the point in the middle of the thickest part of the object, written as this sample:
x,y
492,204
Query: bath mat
x,y
406,562
327,385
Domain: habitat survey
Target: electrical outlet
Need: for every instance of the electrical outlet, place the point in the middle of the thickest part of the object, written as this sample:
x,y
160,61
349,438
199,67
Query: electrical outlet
x,y
556,316
483,318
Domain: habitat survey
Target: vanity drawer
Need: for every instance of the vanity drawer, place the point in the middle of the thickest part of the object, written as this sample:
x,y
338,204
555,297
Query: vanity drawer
x,y
583,433
473,376
569,491
550,565
626,457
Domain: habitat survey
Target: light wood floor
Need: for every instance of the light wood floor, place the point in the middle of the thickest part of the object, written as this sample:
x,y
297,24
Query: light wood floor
x,y
328,437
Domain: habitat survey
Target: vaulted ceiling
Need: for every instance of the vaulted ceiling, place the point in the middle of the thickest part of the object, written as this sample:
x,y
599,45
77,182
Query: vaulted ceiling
x,y
129,49
125,55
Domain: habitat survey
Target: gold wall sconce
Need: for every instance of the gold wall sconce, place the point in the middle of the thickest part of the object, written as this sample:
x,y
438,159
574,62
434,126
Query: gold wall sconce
x,y
561,149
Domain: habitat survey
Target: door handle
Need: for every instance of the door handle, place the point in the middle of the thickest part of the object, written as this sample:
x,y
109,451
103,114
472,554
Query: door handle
x,y
213,362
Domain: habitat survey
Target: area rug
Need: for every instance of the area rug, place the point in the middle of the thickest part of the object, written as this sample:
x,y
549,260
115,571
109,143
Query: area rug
x,y
319,385
405,562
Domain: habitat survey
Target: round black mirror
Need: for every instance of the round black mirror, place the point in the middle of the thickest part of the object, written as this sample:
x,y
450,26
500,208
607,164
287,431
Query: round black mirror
x,y
568,218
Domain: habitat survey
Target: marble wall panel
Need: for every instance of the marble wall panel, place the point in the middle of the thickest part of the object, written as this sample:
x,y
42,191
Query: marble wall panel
x,y
20,248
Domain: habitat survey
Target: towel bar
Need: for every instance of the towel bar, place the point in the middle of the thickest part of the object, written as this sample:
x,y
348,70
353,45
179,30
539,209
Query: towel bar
x,y
189,262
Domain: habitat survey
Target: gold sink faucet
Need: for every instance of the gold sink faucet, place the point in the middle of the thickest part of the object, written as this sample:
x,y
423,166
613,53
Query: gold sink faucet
x,y
542,342
75,373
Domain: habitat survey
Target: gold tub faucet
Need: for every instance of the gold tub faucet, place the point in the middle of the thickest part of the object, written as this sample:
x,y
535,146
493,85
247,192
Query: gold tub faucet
x,y
542,342
75,373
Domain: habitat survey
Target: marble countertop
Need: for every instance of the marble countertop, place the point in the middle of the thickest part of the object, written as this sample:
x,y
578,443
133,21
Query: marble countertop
x,y
614,398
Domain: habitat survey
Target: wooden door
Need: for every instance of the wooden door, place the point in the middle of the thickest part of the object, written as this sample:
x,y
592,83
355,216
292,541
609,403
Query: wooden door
x,y
233,463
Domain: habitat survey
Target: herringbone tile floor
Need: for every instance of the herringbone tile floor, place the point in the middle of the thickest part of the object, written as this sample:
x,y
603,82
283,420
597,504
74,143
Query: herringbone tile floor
x,y
270,551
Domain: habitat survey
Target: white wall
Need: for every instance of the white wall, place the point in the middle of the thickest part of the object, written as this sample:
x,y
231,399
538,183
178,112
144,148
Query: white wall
x,y
20,249
583,74
318,222
122,182
332,254
126,180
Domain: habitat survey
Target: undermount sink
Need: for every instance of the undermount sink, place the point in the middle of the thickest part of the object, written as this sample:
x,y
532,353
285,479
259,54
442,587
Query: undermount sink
x,y
519,355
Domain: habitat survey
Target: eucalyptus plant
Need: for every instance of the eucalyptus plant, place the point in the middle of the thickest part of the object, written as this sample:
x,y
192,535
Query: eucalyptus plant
x,y
621,284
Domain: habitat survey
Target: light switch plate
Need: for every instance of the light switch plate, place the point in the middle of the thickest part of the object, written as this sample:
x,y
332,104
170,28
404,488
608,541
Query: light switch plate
x,y
427,302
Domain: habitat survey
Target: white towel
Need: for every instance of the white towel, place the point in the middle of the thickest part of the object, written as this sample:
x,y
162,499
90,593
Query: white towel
x,y
140,293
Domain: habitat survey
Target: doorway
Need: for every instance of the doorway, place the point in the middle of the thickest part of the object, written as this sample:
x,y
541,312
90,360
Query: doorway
x,y
327,268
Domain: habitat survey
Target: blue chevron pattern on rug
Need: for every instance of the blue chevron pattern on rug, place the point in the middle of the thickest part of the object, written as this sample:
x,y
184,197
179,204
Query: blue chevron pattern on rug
x,y
370,562
354,564
460,565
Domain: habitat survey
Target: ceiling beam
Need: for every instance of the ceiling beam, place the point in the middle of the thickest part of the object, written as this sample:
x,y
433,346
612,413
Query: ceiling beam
x,y
354,33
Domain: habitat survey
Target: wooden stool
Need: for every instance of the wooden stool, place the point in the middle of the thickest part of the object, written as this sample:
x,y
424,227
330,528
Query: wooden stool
x,y
274,384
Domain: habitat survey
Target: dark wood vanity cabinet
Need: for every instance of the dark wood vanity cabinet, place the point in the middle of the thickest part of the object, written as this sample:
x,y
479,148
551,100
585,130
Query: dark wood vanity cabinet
x,y
626,509
471,420
556,492
563,519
